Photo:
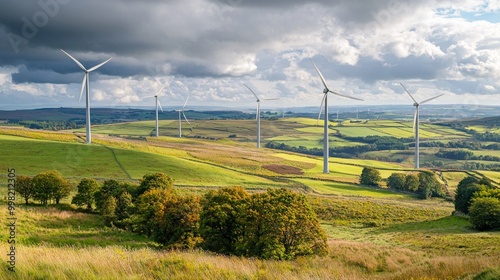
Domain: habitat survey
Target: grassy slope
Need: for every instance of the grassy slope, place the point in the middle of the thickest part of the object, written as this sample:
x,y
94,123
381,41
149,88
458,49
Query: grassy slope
x,y
414,238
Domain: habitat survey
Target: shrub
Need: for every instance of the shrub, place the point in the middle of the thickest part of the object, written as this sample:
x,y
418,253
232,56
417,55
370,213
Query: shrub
x,y
154,181
484,213
86,193
370,177
396,181
219,224
50,185
280,224
25,187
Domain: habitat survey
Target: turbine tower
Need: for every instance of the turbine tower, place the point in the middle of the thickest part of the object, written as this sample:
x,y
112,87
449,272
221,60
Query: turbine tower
x,y
416,123
157,103
326,90
180,119
257,117
86,84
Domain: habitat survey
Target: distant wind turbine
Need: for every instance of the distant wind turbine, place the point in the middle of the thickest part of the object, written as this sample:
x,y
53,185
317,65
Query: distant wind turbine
x,y
181,111
157,103
326,90
86,84
257,117
416,123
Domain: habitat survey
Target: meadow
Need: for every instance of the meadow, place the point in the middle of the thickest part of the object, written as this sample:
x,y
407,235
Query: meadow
x,y
374,233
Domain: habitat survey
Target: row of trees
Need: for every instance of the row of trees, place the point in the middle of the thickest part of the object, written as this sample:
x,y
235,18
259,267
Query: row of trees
x,y
277,224
465,155
45,187
480,200
425,183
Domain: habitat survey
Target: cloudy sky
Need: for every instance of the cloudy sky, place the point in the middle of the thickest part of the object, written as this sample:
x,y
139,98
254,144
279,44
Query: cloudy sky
x,y
210,48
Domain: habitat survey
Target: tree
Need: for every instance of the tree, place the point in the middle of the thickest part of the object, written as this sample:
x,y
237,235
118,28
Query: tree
x,y
465,193
280,224
219,224
429,185
484,213
155,181
124,206
50,185
412,182
148,205
107,190
370,177
396,181
25,187
108,210
87,189
178,222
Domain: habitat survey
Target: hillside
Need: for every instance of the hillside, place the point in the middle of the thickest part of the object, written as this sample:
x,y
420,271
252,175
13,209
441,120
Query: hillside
x,y
374,233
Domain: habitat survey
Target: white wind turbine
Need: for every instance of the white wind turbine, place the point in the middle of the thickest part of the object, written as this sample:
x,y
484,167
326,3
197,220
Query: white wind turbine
x,y
326,90
257,117
86,84
157,103
181,111
416,123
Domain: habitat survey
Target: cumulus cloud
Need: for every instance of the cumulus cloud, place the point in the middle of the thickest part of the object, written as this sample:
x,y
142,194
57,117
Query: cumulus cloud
x,y
209,48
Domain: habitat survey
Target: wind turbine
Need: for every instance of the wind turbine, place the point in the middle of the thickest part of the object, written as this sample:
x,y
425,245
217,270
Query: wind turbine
x,y
416,123
157,103
180,119
326,90
86,84
257,117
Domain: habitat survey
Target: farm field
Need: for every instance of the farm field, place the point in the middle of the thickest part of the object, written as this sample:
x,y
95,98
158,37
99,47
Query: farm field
x,y
372,233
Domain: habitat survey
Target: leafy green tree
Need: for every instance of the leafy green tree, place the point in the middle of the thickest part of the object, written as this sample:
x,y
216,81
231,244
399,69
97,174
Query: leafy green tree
x,y
108,188
87,189
178,222
125,207
149,205
108,210
464,194
154,181
219,224
396,181
412,182
429,185
280,224
370,177
484,213
50,185
25,187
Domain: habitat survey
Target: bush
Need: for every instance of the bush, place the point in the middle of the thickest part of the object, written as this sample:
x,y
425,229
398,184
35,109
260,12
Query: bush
x,y
86,193
396,181
50,185
280,224
370,177
25,187
155,181
484,213
219,224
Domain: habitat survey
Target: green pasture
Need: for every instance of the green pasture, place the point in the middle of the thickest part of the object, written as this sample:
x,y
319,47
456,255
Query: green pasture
x,y
30,157
140,128
344,189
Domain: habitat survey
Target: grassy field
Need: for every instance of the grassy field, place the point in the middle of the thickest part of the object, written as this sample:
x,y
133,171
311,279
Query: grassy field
x,y
373,233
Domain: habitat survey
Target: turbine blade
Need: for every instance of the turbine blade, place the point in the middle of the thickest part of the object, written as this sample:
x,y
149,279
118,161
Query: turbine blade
x,y
347,96
159,105
252,92
160,90
99,65
83,86
74,59
408,93
270,99
427,100
321,108
185,103
185,117
319,73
